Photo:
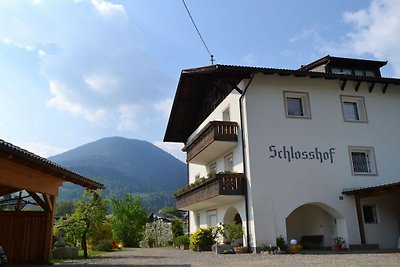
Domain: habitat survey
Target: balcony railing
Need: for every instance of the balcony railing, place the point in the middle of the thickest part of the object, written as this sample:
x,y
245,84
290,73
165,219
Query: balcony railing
x,y
222,185
214,131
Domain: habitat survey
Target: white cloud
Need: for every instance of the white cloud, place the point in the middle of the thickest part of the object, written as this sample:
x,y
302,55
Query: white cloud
x,y
43,150
11,42
174,149
108,9
102,84
376,31
127,118
164,106
61,101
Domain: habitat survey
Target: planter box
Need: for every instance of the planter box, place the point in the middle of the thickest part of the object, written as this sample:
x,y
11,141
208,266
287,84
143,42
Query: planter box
x,y
219,249
240,250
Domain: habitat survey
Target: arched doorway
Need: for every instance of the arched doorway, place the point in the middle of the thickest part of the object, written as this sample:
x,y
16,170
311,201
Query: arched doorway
x,y
232,216
317,222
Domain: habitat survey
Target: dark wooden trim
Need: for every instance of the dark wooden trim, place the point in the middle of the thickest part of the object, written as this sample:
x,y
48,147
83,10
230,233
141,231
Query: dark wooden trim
x,y
371,87
38,200
360,219
222,184
357,86
385,88
213,131
343,85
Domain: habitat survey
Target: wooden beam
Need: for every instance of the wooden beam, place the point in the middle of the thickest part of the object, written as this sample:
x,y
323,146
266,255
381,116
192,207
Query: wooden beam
x,y
20,176
371,87
385,88
49,202
8,190
49,225
38,200
360,219
343,84
357,86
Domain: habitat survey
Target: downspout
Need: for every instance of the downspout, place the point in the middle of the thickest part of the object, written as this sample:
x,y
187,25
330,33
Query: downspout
x,y
244,159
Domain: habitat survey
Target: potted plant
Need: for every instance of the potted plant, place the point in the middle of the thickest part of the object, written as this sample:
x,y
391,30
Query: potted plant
x,y
295,247
232,232
338,243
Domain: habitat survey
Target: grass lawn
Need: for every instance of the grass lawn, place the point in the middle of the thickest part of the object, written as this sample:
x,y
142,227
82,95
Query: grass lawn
x,y
91,254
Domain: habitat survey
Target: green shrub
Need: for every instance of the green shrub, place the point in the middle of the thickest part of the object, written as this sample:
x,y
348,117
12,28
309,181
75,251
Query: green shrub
x,y
177,227
104,232
181,240
281,243
203,238
231,232
104,245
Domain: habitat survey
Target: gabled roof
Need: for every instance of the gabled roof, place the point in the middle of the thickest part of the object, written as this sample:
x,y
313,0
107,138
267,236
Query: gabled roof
x,y
355,62
16,153
188,110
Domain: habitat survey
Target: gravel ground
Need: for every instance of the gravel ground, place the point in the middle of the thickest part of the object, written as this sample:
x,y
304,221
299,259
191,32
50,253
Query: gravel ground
x,y
176,257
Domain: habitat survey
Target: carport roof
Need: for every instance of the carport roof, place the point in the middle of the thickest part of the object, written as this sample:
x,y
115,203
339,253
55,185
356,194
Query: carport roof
x,y
372,188
23,156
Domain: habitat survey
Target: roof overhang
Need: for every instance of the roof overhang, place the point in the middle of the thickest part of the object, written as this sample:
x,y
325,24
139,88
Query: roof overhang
x,y
24,157
196,86
374,190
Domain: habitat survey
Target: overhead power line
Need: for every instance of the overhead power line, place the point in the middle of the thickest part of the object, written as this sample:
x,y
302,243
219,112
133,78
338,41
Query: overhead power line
x,y
198,32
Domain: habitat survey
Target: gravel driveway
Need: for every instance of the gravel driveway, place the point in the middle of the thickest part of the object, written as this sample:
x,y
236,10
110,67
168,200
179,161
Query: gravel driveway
x,y
176,257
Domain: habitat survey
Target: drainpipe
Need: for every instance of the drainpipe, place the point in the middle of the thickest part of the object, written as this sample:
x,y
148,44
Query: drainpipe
x,y
244,158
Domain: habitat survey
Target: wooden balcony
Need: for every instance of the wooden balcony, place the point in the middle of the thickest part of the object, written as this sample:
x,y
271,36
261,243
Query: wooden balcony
x,y
216,138
224,188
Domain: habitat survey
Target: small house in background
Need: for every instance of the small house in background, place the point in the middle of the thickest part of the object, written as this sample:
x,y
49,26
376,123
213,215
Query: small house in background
x,y
309,153
26,236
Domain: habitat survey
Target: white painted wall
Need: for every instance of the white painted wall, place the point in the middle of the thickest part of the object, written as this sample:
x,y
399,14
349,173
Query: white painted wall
x,y
221,211
278,187
231,101
386,232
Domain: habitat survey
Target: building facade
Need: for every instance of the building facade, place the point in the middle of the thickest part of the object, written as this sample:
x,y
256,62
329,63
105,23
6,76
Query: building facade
x,y
298,153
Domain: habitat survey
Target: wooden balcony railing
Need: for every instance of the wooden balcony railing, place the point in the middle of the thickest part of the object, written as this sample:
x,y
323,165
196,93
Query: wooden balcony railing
x,y
213,131
222,184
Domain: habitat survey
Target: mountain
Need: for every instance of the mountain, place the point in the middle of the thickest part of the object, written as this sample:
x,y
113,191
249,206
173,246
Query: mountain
x,y
125,166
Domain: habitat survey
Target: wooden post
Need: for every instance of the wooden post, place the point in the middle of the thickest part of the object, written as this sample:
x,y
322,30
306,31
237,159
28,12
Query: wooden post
x,y
48,243
360,218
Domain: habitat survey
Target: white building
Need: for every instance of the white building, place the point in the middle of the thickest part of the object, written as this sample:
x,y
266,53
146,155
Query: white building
x,y
315,151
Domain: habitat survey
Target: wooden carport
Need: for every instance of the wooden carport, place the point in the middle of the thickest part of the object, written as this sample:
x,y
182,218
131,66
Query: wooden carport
x,y
370,191
26,236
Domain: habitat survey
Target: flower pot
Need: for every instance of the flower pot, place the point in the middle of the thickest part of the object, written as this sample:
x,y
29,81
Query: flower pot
x,y
240,250
337,247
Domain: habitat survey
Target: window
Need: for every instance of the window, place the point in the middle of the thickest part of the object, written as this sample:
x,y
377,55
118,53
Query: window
x,y
353,108
228,162
369,212
362,160
212,218
297,105
212,168
226,115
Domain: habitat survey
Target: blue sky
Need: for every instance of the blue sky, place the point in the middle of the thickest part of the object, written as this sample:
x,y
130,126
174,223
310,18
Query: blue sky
x,y
74,71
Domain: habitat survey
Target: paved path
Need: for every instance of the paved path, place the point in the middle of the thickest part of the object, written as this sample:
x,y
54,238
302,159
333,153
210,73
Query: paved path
x,y
175,257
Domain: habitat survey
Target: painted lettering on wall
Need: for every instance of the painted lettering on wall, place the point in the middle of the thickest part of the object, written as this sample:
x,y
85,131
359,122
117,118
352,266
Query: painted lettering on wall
x,y
290,154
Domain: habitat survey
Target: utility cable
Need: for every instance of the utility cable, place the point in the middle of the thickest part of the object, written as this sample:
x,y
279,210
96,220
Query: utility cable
x,y
198,32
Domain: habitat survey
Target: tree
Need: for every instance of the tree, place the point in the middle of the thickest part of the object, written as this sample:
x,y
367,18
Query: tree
x,y
128,220
64,207
177,227
90,212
